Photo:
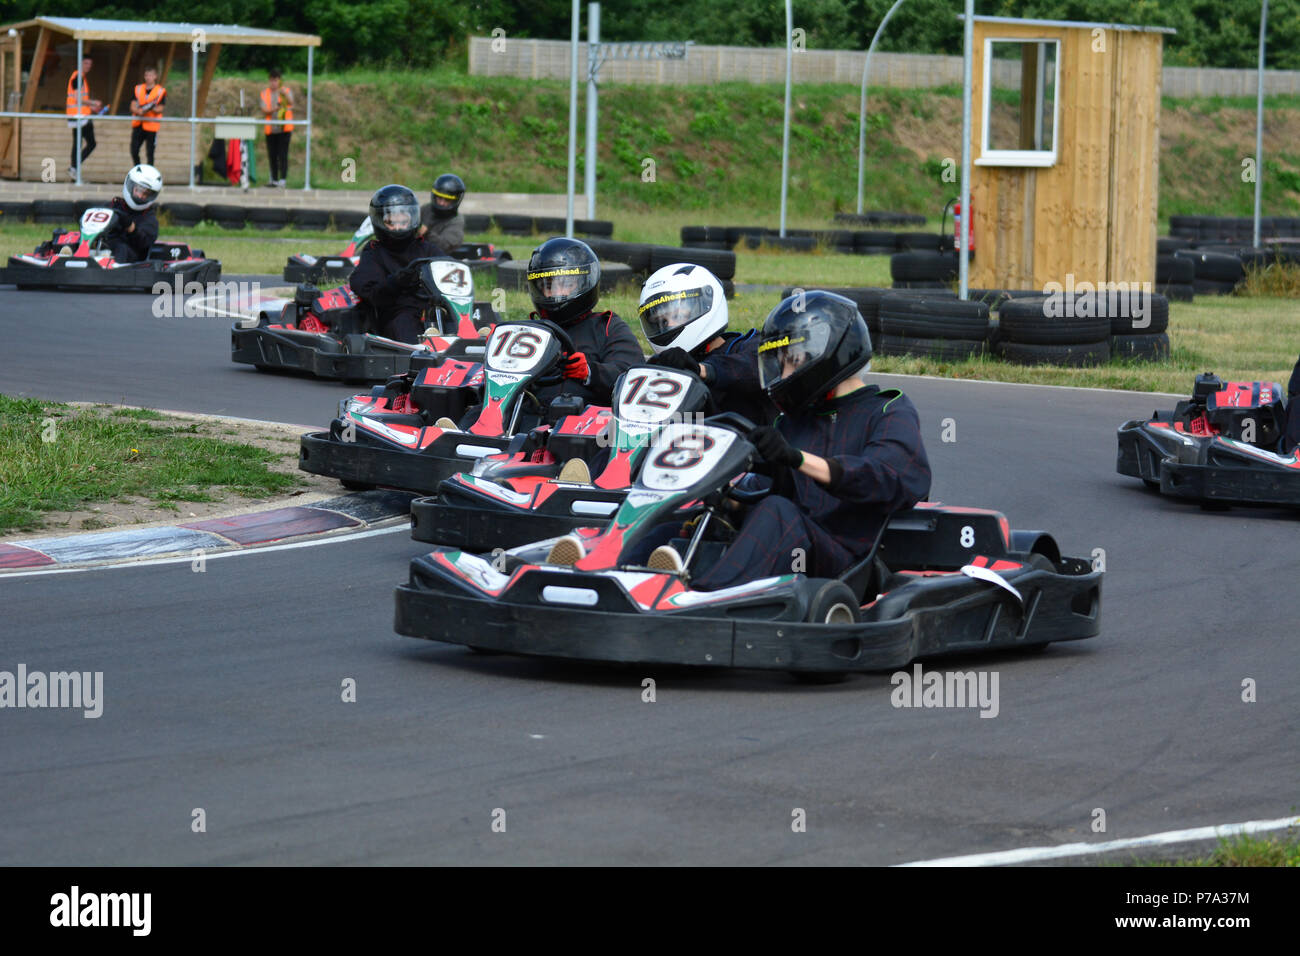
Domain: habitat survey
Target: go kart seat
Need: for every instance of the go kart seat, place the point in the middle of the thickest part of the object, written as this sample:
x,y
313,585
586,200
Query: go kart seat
x,y
866,577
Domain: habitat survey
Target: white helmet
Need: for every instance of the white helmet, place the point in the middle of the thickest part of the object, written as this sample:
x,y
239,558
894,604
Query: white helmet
x,y
682,306
141,187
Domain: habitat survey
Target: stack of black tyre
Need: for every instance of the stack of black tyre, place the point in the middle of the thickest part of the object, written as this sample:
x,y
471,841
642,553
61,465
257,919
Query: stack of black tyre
x,y
923,266
517,225
1236,229
1078,329
860,242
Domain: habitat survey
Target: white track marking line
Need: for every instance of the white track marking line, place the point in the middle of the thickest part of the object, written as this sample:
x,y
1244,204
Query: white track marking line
x,y
1034,853
188,558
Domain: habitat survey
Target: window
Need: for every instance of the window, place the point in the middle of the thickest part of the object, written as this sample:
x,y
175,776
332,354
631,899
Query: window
x,y
1020,86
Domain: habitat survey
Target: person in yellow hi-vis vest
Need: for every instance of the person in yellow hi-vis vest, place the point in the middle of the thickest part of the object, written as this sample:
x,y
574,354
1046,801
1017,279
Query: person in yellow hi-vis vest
x,y
277,104
147,107
80,108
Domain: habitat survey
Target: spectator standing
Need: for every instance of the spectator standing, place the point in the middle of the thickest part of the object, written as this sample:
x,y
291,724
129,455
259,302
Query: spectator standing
x,y
277,104
80,107
147,108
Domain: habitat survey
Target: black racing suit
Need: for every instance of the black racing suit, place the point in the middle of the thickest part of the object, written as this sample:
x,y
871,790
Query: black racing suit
x,y
131,246
611,349
732,377
445,232
878,466
398,308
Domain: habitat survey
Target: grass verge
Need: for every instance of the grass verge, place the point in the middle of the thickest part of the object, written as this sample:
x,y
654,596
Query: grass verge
x,y
1241,851
56,457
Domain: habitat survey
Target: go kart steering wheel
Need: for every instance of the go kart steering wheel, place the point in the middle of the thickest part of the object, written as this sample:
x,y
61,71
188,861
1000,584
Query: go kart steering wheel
x,y
556,375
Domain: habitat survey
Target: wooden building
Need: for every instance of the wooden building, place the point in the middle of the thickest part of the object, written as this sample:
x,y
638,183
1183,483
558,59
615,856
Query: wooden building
x,y
38,57
1064,175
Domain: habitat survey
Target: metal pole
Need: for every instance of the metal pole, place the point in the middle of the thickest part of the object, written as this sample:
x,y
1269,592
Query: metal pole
x,y
306,181
1259,120
81,95
593,42
785,137
862,107
968,42
194,100
573,116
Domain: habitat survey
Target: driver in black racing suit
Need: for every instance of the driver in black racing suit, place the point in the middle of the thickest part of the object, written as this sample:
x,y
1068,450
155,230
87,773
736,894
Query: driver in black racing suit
x,y
387,275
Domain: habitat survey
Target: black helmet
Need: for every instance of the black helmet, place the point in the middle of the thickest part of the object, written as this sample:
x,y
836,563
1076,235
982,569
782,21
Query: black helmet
x,y
564,280
448,191
394,214
810,343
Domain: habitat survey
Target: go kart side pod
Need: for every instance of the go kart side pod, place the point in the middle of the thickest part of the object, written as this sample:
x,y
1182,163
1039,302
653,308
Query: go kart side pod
x,y
939,580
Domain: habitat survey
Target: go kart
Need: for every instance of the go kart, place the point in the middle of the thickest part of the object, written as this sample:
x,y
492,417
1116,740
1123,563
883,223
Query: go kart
x,y
504,503
80,261
1223,446
430,424
324,333
938,580
304,268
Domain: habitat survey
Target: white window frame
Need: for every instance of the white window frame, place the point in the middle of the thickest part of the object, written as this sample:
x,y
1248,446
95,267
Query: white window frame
x,y
1019,157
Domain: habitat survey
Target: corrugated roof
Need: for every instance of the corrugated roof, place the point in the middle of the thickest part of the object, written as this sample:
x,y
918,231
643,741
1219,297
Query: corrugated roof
x,y
83,28
1068,23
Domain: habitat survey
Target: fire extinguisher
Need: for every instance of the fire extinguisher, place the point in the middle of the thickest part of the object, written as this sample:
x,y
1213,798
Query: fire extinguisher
x,y
956,226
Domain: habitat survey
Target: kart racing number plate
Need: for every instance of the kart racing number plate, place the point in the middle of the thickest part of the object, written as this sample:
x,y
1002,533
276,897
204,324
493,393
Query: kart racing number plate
x,y
684,454
517,348
651,397
452,279
94,221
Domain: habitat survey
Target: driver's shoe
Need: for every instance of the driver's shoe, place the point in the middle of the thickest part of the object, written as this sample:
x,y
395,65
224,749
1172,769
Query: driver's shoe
x,y
666,558
445,423
575,470
567,551
65,251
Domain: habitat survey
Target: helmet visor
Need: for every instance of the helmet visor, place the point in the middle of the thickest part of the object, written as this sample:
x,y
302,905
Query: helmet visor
x,y
142,193
559,284
397,218
783,357
664,314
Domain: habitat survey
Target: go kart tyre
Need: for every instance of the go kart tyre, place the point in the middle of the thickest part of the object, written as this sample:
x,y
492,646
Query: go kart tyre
x,y
15,212
345,220
1146,348
1027,321
313,219
951,350
919,317
183,215
268,217
1074,356
54,210
832,603
227,217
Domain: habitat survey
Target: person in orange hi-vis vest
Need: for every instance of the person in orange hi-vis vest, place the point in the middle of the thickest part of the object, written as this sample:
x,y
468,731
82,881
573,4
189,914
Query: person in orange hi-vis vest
x,y
147,107
80,108
277,104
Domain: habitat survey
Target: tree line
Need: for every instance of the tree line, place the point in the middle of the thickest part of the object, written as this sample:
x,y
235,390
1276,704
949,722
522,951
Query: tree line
x,y
404,33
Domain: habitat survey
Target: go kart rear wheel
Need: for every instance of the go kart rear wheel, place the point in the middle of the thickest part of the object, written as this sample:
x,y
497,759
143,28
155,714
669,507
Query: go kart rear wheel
x,y
836,604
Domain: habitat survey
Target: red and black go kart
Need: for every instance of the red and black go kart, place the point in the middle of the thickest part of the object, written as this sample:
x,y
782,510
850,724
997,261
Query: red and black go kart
x,y
510,500
1223,446
79,261
302,268
939,580
322,333
428,425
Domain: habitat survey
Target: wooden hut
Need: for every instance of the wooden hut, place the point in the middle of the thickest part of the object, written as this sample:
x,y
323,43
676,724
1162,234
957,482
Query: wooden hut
x,y
37,58
1065,152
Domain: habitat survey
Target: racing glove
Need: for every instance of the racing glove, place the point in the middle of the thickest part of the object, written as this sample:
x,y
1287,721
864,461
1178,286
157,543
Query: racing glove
x,y
676,358
576,367
771,444
408,277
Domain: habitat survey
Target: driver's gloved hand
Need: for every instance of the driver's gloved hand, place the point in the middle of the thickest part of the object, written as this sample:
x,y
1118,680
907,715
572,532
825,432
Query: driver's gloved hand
x,y
576,367
771,444
677,358
408,277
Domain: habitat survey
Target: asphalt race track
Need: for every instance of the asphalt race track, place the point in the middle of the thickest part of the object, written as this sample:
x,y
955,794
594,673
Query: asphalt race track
x,y
223,689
